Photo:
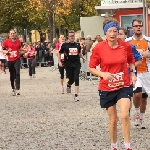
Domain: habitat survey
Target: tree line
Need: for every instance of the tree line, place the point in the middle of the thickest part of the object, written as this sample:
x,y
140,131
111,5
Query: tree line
x,y
54,16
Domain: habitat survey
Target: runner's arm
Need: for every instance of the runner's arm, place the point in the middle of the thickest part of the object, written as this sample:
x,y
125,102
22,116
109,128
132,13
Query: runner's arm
x,y
57,50
137,56
95,61
80,54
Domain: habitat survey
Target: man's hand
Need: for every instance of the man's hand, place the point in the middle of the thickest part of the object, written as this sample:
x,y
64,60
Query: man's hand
x,y
144,54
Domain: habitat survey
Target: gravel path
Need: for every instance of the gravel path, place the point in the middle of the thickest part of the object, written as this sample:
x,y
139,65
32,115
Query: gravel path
x,y
43,119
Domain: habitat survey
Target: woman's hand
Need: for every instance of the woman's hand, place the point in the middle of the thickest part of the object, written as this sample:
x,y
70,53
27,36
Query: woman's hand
x,y
107,76
60,64
133,79
84,60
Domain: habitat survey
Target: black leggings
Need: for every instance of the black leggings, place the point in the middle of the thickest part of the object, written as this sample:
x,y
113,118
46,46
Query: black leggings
x,y
14,69
61,71
73,75
31,63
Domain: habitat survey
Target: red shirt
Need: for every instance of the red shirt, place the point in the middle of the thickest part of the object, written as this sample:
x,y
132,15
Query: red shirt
x,y
57,47
31,53
113,61
15,46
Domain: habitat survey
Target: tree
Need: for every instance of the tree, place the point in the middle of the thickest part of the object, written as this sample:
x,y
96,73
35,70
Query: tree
x,y
53,7
44,14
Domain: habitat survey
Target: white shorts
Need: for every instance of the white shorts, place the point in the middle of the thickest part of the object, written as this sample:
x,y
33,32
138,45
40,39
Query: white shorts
x,y
143,80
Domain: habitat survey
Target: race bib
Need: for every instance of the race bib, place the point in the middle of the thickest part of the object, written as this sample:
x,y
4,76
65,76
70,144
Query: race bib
x,y
62,56
13,54
117,81
73,51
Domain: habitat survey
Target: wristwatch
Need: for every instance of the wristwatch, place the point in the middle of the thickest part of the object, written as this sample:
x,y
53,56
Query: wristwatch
x,y
133,70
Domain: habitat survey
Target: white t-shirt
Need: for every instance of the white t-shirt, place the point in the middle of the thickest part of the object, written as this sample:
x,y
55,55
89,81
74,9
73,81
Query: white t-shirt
x,y
2,55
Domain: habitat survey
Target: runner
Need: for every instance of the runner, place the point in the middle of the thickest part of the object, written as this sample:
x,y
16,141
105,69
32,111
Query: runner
x,y
72,54
2,58
58,44
113,55
61,68
30,55
12,46
142,88
138,58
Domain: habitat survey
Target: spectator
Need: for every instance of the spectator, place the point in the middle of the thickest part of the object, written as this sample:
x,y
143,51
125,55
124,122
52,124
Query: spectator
x,y
82,44
88,44
97,40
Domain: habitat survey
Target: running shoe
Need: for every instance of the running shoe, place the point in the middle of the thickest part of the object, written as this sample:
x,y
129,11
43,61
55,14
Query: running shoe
x,y
17,92
76,98
68,89
33,75
137,120
2,72
13,92
62,90
142,124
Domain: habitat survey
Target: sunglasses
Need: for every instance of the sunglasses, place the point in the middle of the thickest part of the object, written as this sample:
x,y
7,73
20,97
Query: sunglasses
x,y
138,26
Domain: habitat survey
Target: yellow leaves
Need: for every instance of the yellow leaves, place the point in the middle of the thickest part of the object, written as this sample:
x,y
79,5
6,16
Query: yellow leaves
x,y
64,7
57,6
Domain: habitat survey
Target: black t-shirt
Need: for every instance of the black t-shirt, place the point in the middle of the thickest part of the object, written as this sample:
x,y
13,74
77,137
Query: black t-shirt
x,y
71,53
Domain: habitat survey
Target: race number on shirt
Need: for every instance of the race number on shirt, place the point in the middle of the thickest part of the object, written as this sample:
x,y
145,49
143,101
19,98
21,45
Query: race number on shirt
x,y
117,81
13,54
62,56
73,51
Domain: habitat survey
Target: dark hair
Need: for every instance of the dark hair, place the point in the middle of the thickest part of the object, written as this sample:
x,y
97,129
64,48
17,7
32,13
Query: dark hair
x,y
61,34
137,20
110,19
124,30
81,38
98,37
12,30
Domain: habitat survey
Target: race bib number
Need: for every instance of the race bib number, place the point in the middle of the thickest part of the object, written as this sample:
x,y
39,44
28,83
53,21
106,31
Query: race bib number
x,y
62,56
73,51
13,54
117,81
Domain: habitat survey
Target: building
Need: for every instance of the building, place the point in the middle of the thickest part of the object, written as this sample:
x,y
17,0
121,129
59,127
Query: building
x,y
125,11
92,26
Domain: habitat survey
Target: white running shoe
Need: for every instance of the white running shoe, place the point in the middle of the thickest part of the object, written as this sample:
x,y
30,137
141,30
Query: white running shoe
x,y
76,98
13,92
137,120
33,75
142,124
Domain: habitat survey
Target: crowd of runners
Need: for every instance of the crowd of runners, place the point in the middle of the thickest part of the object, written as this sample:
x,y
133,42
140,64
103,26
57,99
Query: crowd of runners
x,y
124,69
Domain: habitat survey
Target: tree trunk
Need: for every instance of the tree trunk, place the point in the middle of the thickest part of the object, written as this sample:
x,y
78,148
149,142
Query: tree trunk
x,y
51,23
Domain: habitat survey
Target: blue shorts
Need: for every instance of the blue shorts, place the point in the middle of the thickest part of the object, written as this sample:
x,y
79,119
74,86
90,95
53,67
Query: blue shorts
x,y
110,98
